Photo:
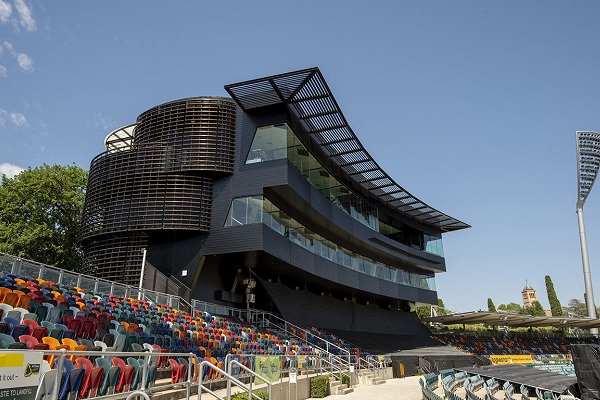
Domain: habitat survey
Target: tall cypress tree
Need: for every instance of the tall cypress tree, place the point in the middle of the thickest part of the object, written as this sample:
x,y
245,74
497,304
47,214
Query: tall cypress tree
x,y
491,306
555,306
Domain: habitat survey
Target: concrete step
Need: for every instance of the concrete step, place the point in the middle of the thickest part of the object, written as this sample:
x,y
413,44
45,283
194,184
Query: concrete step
x,y
347,390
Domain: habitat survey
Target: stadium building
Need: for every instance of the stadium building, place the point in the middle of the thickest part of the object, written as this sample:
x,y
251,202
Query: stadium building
x,y
269,197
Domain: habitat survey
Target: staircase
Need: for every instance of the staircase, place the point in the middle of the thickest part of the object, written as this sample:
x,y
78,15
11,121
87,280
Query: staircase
x,y
367,377
337,387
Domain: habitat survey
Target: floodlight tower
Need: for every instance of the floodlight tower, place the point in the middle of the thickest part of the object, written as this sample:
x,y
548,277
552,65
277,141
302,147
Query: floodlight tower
x,y
588,163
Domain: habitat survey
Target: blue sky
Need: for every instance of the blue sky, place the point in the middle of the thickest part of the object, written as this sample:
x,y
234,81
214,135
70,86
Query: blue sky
x,y
472,106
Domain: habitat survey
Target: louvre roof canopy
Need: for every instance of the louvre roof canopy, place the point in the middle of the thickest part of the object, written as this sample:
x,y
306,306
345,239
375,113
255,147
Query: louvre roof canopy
x,y
308,95
513,320
120,139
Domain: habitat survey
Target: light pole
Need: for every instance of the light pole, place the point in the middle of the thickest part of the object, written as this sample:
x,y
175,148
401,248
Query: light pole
x,y
588,163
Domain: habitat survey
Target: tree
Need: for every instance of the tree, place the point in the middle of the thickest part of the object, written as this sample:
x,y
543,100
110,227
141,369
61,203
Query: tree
x,y
425,311
441,308
511,308
491,306
535,309
576,307
555,306
40,212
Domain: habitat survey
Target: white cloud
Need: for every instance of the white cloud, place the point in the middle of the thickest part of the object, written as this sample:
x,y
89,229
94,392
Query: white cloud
x,y
25,17
8,46
104,123
18,119
5,11
3,71
25,62
10,170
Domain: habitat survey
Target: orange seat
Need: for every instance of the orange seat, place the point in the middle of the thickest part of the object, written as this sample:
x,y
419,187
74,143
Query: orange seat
x,y
24,301
12,299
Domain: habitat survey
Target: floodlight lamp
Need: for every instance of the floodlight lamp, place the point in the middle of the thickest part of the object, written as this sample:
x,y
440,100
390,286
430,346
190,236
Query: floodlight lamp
x,y
588,163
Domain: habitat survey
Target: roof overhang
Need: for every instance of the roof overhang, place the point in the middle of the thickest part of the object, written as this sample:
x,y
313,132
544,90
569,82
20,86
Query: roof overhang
x,y
308,97
513,320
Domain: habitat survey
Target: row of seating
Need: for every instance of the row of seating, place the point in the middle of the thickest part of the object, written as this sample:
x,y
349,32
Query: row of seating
x,y
82,379
474,384
485,345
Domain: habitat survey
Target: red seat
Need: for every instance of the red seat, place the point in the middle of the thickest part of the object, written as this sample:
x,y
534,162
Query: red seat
x,y
31,324
29,341
96,376
174,365
66,318
41,346
125,375
87,366
87,329
39,332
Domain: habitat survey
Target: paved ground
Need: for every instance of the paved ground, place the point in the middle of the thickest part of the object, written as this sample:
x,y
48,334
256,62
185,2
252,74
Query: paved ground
x,y
392,389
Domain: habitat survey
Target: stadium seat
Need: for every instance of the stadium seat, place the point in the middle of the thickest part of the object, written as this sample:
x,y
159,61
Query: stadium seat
x,y
118,362
46,387
131,361
19,330
74,382
5,340
30,323
29,341
174,365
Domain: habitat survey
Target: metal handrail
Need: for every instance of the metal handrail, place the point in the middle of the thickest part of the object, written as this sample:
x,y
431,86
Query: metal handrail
x,y
242,366
128,288
229,377
328,343
338,370
62,353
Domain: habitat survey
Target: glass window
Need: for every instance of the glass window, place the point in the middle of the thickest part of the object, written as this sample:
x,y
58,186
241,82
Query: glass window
x,y
256,209
245,210
279,141
270,143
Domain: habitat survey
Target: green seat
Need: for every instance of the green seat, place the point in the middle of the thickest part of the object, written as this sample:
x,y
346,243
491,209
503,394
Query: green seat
x,y
6,340
136,374
104,363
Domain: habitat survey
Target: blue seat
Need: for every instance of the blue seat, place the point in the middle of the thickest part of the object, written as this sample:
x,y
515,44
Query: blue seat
x,y
11,322
19,330
75,382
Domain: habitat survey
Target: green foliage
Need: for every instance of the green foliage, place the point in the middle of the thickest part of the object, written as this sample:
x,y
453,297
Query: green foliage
x,y
576,307
441,308
535,310
40,213
511,308
345,380
555,306
244,396
425,311
319,387
491,306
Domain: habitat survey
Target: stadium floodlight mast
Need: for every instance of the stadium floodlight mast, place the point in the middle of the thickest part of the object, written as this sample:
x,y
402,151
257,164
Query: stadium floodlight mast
x,y
588,163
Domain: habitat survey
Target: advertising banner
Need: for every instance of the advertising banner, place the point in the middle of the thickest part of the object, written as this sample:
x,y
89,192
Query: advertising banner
x,y
19,374
511,359
268,367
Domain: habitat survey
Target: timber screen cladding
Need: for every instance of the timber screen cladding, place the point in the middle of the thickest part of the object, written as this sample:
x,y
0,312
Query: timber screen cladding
x,y
155,175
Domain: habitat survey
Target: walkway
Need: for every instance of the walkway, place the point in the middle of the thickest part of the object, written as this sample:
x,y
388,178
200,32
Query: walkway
x,y
392,389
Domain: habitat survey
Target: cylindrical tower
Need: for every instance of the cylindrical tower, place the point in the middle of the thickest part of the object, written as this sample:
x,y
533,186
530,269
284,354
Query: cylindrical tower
x,y
155,175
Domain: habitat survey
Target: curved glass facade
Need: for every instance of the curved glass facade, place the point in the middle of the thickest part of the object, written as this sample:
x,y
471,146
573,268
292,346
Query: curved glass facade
x,y
279,141
258,209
